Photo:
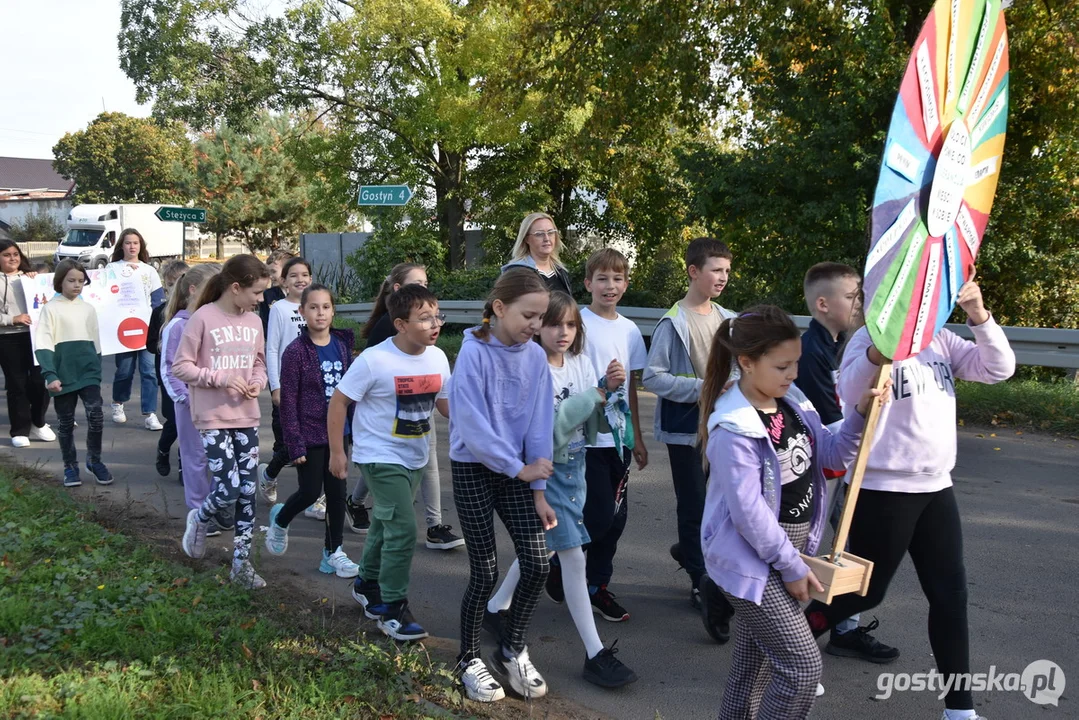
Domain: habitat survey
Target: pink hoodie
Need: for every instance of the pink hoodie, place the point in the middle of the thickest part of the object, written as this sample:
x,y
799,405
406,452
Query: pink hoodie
x,y
214,347
915,443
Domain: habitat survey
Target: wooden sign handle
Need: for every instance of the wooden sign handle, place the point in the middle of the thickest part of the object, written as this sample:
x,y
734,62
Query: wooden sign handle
x,y
857,470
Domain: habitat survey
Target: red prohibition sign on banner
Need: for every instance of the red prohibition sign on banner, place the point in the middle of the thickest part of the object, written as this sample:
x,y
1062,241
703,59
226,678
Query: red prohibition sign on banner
x,y
132,333
115,289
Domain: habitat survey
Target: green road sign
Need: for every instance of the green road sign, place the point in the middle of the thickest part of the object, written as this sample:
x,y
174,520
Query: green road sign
x,y
384,194
181,214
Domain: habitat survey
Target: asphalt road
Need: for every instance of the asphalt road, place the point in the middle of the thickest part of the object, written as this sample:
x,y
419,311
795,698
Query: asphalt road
x,y
1019,496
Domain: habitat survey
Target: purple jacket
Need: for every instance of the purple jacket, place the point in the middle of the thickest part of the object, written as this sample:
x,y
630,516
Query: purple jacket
x,y
303,405
740,533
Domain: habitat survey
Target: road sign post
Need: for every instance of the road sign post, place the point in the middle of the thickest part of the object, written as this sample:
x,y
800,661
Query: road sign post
x,y
181,214
385,195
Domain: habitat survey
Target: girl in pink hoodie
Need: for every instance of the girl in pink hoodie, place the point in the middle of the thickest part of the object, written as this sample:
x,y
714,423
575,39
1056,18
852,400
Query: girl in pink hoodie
x,y
222,359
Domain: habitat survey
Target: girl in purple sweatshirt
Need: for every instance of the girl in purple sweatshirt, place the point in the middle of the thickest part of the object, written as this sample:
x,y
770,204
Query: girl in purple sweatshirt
x,y
907,503
222,359
185,294
501,445
766,450
312,365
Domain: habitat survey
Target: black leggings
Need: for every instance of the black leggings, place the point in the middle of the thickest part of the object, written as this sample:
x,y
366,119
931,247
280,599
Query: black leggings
x,y
886,526
315,479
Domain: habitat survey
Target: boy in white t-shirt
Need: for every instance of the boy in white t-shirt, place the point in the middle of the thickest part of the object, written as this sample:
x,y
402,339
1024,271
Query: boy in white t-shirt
x,y
396,386
609,339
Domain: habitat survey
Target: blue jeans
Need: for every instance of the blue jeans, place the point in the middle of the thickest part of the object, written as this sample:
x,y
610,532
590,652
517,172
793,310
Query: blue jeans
x,y
125,373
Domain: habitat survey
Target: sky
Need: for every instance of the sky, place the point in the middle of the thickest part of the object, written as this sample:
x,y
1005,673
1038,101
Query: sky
x,y
61,65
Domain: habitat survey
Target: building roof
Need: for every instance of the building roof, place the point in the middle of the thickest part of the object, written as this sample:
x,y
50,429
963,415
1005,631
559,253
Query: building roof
x,y
31,174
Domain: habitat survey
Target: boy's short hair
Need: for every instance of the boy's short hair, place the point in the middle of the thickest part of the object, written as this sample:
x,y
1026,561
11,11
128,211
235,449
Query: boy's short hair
x,y
279,255
606,259
172,271
702,248
62,269
400,304
822,275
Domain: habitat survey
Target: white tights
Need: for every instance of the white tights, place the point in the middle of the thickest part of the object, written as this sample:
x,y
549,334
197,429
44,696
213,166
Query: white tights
x,y
576,589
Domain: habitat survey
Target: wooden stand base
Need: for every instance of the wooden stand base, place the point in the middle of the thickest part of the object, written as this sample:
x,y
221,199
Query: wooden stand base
x,y
850,575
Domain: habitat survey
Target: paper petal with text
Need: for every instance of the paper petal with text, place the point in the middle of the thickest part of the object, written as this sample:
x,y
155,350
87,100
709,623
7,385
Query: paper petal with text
x,y
939,174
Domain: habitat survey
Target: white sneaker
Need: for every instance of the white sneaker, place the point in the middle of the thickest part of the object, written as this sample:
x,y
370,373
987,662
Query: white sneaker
x,y
20,441
152,423
194,542
820,689
318,510
338,564
118,414
975,716
522,675
276,536
244,575
479,684
43,433
267,485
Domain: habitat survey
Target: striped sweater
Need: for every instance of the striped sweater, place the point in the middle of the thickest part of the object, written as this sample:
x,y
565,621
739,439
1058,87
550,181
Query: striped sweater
x,y
67,344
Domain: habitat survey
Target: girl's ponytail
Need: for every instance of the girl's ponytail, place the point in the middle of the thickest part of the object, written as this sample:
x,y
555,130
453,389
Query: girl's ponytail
x,y
483,332
720,361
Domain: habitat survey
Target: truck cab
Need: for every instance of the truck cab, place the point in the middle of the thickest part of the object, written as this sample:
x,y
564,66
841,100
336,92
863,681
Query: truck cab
x,y
91,235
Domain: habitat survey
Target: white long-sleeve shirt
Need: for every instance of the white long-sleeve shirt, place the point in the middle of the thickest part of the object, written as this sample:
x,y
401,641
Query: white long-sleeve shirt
x,y
284,326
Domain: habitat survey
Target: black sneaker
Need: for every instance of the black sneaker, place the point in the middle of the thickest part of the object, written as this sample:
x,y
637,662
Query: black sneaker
x,y
716,611
695,598
553,586
603,602
357,516
860,644
396,621
606,670
212,528
492,622
163,466
441,537
368,594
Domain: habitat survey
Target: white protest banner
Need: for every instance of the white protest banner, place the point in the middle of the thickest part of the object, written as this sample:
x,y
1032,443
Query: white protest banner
x,y
118,296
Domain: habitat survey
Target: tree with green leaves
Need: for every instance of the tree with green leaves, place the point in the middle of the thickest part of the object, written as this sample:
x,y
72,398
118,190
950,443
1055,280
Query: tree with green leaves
x,y
810,89
249,183
119,158
36,227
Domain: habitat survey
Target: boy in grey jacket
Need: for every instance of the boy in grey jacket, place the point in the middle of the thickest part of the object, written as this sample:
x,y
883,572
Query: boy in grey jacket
x,y
676,367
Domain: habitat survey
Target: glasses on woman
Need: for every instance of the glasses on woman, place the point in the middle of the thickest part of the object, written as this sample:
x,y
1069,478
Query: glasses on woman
x,y
431,322
541,234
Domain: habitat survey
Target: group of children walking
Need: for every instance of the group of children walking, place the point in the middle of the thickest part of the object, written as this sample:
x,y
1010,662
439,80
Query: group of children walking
x,y
544,426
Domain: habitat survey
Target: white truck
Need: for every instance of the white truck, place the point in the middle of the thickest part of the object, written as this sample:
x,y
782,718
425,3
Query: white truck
x,y
93,231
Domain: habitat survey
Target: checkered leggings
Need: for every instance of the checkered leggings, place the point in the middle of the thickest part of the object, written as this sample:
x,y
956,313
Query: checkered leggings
x,y
477,491
776,664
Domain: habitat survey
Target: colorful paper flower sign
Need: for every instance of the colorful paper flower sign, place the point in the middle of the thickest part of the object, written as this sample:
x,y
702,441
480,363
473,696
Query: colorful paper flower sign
x,y
939,175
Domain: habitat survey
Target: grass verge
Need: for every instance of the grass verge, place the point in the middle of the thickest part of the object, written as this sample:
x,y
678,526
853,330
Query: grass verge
x,y
1048,406
94,624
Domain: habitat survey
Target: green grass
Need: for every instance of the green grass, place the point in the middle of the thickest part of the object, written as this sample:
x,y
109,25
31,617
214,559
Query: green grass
x,y
1048,406
94,624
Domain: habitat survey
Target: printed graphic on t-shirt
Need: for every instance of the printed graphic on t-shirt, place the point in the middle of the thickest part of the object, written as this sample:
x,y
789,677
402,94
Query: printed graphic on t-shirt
x,y
415,402
331,375
297,320
794,450
233,347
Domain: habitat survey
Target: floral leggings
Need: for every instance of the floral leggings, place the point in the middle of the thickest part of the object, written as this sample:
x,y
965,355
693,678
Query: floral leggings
x,y
232,455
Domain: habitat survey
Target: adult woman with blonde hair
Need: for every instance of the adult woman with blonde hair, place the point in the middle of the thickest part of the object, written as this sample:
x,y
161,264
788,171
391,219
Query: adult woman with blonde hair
x,y
538,245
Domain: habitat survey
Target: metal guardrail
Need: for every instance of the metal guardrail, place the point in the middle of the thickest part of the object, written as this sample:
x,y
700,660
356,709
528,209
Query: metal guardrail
x,y
1033,346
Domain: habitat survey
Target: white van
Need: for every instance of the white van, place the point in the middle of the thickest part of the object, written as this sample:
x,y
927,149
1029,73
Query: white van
x,y
93,231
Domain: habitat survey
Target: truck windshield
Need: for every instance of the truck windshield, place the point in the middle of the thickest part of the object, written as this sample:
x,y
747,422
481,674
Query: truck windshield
x,y
82,238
